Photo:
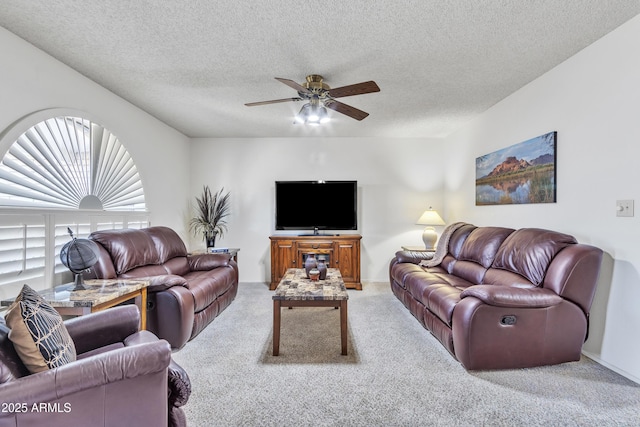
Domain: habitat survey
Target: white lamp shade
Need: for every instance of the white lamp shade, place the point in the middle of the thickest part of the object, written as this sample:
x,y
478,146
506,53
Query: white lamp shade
x,y
430,217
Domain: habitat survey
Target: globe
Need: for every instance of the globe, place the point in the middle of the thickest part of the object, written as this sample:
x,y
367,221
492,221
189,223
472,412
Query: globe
x,y
79,255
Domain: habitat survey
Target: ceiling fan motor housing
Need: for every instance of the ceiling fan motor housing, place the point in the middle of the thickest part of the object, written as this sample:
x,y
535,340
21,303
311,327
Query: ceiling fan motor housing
x,y
315,84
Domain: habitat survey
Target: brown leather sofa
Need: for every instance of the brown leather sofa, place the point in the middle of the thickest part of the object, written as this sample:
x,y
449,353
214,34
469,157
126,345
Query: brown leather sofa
x,y
503,298
187,291
122,377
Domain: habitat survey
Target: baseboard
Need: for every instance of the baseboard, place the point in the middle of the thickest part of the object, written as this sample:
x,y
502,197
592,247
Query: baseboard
x,y
625,374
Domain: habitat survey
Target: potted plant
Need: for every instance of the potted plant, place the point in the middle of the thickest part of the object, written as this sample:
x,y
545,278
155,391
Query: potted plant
x,y
211,211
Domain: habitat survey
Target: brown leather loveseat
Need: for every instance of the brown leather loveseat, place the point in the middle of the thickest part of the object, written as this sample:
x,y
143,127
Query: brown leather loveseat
x,y
503,298
187,291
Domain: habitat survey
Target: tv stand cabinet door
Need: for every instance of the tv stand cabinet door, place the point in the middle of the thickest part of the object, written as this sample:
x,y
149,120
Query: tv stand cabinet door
x,y
283,257
347,259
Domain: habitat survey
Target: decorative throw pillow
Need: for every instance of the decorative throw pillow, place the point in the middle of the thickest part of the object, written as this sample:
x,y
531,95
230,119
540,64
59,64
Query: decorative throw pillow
x,y
38,333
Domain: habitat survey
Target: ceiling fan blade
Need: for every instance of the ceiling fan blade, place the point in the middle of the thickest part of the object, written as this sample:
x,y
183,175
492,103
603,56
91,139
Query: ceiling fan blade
x,y
345,109
356,89
274,101
294,85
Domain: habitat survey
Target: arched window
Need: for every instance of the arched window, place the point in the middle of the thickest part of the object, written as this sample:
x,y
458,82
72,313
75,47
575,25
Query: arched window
x,y
70,162
65,171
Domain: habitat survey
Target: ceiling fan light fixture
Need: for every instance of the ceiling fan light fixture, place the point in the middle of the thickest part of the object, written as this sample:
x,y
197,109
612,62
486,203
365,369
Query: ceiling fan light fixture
x,y
323,117
302,116
312,114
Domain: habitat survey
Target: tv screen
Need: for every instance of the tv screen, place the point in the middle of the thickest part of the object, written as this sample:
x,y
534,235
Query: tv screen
x,y
322,205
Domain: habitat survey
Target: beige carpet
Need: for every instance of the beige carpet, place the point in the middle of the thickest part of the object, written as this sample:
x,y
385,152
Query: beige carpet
x,y
309,335
396,374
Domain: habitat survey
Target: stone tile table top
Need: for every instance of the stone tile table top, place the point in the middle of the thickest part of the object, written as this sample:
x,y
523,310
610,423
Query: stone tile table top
x,y
97,292
295,286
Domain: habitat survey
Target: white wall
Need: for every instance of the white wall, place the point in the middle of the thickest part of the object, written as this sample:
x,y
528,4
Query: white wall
x,y
32,81
593,101
397,180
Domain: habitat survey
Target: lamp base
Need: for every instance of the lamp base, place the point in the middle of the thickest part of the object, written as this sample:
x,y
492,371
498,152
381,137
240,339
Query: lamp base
x,y
430,237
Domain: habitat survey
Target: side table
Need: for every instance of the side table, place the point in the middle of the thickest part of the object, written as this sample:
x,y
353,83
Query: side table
x,y
231,251
416,249
98,295
419,252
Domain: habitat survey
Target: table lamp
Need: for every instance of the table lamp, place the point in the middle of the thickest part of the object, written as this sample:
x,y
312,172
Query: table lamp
x,y
429,236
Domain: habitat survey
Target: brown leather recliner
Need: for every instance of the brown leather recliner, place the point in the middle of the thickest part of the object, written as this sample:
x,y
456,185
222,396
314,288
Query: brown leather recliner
x,y
503,298
122,376
187,291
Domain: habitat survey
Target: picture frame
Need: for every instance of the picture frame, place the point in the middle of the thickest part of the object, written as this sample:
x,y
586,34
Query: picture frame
x,y
522,173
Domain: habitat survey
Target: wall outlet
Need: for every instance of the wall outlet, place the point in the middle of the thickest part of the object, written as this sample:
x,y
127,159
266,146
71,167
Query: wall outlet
x,y
624,208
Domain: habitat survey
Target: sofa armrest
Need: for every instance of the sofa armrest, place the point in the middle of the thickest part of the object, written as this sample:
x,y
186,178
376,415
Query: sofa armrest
x,y
205,262
165,281
505,296
179,385
413,257
89,373
140,338
172,315
106,327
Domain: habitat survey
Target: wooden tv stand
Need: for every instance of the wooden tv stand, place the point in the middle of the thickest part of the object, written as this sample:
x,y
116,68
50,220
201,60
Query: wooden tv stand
x,y
342,251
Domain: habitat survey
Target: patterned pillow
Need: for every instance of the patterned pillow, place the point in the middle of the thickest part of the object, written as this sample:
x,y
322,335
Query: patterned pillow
x,y
37,332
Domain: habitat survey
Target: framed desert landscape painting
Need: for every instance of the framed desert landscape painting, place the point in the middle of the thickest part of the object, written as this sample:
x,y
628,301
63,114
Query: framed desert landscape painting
x,y
521,173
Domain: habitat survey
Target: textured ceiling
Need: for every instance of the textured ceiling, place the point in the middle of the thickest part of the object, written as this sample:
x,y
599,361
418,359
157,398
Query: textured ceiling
x,y
194,63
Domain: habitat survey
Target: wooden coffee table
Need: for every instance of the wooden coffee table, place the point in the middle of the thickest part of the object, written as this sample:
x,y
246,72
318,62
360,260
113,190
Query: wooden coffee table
x,y
295,290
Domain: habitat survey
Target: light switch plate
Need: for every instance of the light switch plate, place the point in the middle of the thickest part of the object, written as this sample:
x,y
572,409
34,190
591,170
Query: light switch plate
x,y
624,208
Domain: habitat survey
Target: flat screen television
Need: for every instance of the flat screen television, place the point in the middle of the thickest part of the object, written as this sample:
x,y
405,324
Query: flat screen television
x,y
316,205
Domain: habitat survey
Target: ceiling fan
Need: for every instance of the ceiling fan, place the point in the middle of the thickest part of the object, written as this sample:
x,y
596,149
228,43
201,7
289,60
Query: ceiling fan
x,y
320,95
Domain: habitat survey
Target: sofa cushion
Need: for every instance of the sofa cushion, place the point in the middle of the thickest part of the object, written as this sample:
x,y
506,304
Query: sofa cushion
x,y
38,333
448,263
178,265
104,267
129,248
483,243
458,238
441,299
168,243
469,270
497,276
400,271
207,286
529,252
417,283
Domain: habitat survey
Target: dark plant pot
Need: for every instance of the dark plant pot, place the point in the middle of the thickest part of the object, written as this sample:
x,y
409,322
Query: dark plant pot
x,y
322,267
310,263
211,241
